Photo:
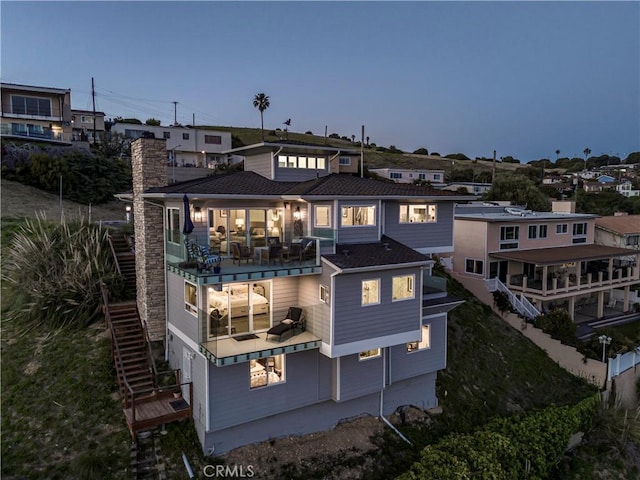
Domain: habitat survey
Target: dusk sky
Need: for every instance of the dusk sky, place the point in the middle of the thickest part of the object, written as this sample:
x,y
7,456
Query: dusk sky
x,y
522,78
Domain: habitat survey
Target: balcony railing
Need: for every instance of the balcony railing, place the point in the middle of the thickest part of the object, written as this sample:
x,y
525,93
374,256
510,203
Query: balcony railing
x,y
553,285
228,341
21,130
256,267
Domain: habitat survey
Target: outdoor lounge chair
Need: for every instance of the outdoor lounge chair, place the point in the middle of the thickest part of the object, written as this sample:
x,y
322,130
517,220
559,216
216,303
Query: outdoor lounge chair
x,y
202,255
292,321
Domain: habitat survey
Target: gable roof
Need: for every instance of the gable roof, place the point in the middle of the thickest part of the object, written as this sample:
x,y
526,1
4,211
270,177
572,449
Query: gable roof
x,y
243,184
374,254
622,225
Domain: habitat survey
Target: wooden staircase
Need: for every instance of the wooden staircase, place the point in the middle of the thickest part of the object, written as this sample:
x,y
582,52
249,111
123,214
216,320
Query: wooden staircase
x,y
125,260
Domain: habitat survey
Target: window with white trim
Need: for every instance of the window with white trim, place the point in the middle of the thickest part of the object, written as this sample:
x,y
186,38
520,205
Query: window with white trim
x,y
213,139
191,298
509,236
633,240
294,161
371,292
369,354
402,287
322,216
562,228
324,294
173,225
395,175
474,266
537,231
356,216
417,213
424,343
579,233
264,372
344,161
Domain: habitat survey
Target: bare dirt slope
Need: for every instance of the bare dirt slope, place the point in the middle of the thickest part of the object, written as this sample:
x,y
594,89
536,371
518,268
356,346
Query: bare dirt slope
x,y
20,200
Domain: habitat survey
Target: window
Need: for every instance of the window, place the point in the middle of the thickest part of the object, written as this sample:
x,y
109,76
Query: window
x,y
191,298
395,175
533,231
424,343
358,216
369,354
509,237
31,106
166,135
324,294
422,176
633,239
214,139
371,292
562,228
403,287
579,233
86,119
185,136
537,231
417,213
344,161
293,161
474,266
436,176
173,225
322,216
542,231
264,372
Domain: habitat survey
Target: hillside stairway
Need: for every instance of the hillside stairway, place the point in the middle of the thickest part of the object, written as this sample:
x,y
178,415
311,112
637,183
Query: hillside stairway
x,y
125,259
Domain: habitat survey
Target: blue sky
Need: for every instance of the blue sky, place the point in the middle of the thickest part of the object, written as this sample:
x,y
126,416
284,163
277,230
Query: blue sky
x,y
523,78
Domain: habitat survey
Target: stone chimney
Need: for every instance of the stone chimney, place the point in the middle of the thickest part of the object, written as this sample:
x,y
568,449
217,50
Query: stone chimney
x,y
563,206
149,165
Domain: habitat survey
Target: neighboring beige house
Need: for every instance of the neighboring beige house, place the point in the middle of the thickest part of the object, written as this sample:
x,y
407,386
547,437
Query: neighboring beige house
x,y
405,175
82,123
186,147
618,231
34,113
549,258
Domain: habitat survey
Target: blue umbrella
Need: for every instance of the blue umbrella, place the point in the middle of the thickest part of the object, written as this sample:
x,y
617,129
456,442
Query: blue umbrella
x,y
188,224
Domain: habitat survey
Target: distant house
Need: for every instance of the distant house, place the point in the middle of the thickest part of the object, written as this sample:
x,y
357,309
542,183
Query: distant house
x,y
618,231
31,113
405,175
83,125
324,306
625,188
474,188
186,147
548,259
606,179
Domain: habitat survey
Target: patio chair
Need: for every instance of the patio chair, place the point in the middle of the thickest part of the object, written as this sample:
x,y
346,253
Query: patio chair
x,y
292,320
201,255
274,250
241,252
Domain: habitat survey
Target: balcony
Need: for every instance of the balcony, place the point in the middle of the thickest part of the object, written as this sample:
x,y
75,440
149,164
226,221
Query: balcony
x,y
256,267
30,131
243,338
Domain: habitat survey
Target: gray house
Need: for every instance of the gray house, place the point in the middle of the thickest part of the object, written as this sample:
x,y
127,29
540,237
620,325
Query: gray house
x,y
311,300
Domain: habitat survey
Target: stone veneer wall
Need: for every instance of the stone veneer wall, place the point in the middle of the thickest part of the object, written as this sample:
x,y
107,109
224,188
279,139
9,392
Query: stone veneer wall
x,y
149,165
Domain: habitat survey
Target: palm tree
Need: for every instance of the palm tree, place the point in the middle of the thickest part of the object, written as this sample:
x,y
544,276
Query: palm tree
x,y
261,102
557,155
587,152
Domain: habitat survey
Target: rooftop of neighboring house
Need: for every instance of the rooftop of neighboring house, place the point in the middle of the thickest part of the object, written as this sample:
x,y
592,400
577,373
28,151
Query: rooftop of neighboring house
x,y
332,186
262,147
501,213
33,88
567,254
620,224
385,252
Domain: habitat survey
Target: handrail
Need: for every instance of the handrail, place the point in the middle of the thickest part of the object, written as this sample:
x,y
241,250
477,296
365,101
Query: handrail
x,y
113,252
524,307
150,353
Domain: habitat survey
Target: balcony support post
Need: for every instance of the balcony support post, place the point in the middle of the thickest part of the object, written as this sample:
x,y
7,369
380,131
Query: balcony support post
x,y
601,302
545,272
572,308
625,301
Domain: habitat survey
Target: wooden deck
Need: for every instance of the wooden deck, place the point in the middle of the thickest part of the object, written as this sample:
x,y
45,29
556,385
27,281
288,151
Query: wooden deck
x,y
155,410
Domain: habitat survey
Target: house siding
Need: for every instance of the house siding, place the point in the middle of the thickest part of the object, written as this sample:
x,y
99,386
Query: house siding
x,y
354,322
305,378
404,365
182,320
420,235
358,378
261,164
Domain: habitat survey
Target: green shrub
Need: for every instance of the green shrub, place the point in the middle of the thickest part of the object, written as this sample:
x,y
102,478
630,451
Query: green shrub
x,y
501,301
54,272
559,325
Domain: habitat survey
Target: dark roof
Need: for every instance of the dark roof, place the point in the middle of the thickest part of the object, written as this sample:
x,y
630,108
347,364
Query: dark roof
x,y
333,185
558,255
385,252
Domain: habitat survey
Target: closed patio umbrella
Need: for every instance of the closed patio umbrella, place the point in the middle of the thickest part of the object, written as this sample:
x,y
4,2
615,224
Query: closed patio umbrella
x,y
188,224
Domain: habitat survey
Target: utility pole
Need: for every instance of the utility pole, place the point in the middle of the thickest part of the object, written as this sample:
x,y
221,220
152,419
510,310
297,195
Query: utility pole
x,y
493,175
93,96
362,154
175,113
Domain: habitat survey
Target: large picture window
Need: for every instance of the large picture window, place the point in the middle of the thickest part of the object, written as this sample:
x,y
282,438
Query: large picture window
x,y
424,343
294,161
40,107
403,287
371,292
579,233
417,213
173,225
264,372
191,298
358,216
509,237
